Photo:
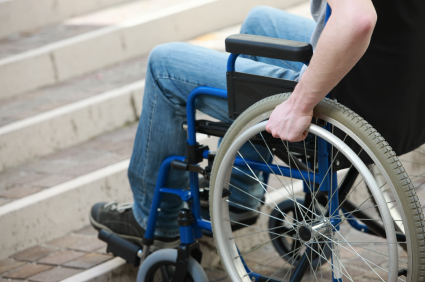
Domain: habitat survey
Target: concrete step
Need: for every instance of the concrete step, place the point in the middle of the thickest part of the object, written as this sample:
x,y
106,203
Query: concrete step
x,y
80,54
44,121
26,16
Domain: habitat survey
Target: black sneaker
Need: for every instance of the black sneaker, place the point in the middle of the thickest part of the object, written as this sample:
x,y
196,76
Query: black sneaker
x,y
119,219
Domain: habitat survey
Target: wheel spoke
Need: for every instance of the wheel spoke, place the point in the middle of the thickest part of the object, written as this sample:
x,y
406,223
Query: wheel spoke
x,y
261,201
263,184
277,191
246,225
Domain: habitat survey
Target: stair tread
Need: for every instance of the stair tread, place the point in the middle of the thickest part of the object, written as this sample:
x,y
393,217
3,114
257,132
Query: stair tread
x,y
23,42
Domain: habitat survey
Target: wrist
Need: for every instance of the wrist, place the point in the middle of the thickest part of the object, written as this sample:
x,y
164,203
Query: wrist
x,y
301,100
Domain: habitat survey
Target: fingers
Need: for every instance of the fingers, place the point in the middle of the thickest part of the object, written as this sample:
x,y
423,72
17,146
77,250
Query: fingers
x,y
285,133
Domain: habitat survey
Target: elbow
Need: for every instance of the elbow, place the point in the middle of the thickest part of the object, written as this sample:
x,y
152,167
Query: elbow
x,y
365,24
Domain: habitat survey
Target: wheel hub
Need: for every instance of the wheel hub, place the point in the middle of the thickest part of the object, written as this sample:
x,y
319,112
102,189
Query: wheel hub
x,y
320,229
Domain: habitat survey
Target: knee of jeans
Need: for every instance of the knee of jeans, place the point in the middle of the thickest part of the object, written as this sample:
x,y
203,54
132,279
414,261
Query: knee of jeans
x,y
255,18
166,50
160,55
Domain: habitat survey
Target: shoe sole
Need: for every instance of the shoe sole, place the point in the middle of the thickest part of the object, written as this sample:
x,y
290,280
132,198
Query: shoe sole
x,y
157,245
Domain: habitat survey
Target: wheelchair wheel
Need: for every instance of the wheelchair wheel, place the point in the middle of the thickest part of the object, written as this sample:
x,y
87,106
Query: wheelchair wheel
x,y
160,266
344,209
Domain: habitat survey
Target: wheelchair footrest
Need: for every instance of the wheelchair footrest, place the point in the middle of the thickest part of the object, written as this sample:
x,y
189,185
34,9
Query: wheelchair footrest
x,y
120,247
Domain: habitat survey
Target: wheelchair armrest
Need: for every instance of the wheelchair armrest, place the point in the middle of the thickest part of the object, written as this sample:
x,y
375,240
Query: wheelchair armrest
x,y
269,47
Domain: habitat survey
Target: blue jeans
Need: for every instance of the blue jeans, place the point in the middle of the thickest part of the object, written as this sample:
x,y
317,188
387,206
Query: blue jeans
x,y
174,70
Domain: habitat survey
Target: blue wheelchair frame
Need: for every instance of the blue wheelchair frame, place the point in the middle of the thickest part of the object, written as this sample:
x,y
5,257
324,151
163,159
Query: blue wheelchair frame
x,y
189,234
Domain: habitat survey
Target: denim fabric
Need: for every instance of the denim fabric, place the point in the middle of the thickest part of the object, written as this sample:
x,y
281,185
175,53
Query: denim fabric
x,y
174,70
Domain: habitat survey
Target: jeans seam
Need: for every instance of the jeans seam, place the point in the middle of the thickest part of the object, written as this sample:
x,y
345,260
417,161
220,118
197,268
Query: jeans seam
x,y
149,135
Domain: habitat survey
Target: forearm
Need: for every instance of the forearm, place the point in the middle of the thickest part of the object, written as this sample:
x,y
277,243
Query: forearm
x,y
342,43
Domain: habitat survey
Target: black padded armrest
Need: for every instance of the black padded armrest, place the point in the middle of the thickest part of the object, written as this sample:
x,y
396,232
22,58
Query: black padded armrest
x,y
269,47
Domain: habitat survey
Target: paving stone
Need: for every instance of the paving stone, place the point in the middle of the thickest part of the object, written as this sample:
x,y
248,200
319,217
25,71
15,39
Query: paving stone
x,y
33,254
9,264
101,250
87,244
353,271
267,254
373,275
216,274
28,270
64,241
61,257
88,261
20,191
55,274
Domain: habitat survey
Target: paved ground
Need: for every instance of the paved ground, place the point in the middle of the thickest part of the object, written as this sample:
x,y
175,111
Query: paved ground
x,y
57,259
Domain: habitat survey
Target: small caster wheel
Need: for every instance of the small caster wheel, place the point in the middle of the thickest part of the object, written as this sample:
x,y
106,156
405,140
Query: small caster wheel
x,y
161,265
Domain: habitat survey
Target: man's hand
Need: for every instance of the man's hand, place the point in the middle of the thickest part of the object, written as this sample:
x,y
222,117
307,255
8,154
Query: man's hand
x,y
288,122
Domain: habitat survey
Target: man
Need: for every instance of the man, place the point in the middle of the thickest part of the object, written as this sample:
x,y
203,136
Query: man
x,y
175,69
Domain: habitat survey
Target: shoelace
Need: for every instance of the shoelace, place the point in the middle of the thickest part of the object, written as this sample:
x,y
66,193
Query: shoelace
x,y
119,207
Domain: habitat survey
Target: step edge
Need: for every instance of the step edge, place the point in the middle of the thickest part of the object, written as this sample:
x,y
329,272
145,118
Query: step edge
x,y
96,271
18,125
64,187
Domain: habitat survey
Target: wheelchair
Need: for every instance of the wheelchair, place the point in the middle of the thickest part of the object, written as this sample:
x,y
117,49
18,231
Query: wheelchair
x,y
337,206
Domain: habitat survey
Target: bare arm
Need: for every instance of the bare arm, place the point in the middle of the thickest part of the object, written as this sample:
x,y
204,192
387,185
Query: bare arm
x,y
341,45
